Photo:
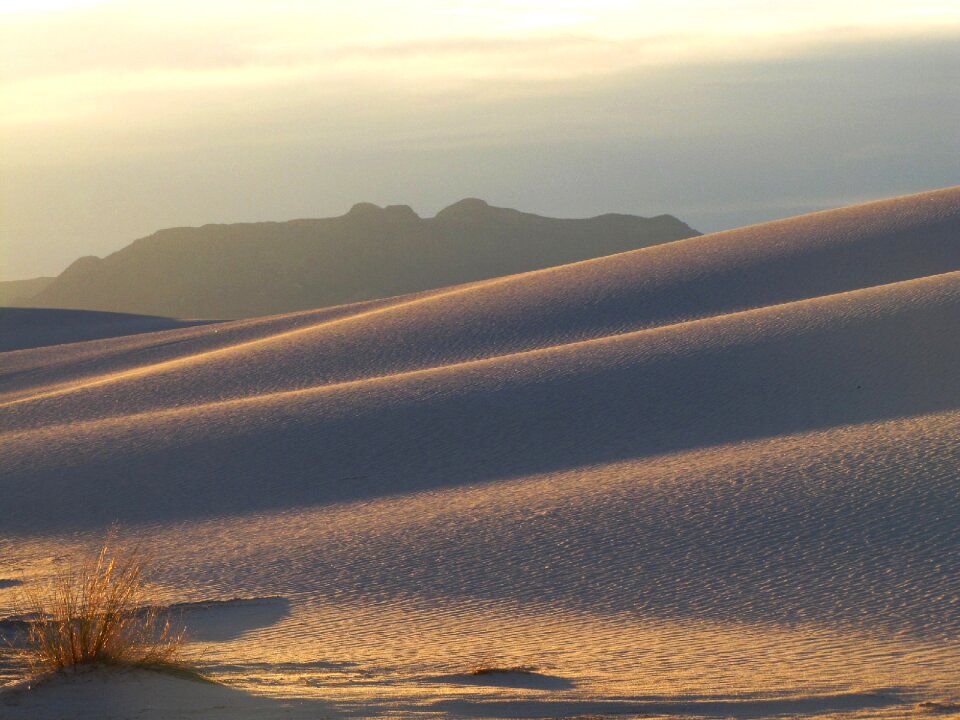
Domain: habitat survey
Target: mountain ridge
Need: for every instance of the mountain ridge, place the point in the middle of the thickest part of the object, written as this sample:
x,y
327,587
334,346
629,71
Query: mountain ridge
x,y
232,271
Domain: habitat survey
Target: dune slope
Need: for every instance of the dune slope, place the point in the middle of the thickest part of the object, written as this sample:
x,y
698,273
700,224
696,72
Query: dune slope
x,y
27,328
735,449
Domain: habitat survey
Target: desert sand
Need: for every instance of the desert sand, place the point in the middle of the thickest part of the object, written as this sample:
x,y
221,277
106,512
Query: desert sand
x,y
711,478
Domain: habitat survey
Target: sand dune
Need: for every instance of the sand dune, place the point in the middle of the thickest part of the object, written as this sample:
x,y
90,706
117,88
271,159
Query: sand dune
x,y
25,328
462,383
713,477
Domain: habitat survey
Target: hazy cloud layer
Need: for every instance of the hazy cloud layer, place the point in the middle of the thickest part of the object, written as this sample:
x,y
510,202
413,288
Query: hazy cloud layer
x,y
105,142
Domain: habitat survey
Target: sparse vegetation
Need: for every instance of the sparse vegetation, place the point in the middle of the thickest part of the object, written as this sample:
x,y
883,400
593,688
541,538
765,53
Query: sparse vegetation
x,y
485,669
97,614
938,706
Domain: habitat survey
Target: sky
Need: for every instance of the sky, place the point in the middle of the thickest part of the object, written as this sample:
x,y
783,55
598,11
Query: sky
x,y
121,117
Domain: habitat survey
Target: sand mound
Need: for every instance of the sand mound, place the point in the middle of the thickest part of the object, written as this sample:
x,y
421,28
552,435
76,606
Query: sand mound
x,y
23,328
100,693
500,378
727,462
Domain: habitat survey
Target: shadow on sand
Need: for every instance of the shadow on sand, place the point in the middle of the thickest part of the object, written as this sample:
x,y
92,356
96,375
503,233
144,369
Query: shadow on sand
x,y
519,680
222,620
732,708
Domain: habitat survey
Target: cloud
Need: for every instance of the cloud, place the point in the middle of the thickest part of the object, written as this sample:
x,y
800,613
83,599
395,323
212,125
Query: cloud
x,y
717,143
101,46
24,6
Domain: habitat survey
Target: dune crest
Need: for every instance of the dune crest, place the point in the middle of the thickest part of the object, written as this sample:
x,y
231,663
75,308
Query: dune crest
x,y
661,477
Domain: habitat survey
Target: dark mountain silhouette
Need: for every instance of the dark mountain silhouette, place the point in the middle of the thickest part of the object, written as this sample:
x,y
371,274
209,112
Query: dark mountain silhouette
x,y
17,291
251,269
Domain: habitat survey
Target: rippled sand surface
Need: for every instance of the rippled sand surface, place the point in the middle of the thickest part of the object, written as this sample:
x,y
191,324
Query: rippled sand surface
x,y
714,478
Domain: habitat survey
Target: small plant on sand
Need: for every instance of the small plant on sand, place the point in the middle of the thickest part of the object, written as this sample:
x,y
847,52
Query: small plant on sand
x,y
503,669
489,666
98,615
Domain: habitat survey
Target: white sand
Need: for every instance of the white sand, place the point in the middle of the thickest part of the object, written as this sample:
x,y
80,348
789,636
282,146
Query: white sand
x,y
715,478
25,328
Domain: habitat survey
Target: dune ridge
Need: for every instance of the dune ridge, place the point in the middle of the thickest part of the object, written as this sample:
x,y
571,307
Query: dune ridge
x,y
617,294
723,467
883,350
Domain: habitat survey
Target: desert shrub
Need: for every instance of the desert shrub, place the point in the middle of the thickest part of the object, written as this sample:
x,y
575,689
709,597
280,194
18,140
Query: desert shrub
x,y
502,669
98,614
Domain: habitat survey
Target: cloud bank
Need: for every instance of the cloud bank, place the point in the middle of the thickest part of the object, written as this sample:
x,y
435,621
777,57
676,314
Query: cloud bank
x,y
120,118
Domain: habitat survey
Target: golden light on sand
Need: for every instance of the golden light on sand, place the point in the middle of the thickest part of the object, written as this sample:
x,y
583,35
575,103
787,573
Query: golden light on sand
x,y
572,433
703,478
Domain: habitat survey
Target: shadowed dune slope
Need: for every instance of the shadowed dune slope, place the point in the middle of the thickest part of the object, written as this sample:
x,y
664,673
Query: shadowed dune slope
x,y
799,258
848,316
25,328
718,476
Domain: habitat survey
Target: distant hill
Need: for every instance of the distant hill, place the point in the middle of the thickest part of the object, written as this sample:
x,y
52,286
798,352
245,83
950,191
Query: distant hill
x,y
252,269
13,292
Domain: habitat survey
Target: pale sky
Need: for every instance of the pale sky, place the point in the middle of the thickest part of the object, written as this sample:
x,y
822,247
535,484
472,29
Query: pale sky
x,y
121,117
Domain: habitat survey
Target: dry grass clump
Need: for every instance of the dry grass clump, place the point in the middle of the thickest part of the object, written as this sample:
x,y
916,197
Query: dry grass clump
x,y
502,669
938,706
98,614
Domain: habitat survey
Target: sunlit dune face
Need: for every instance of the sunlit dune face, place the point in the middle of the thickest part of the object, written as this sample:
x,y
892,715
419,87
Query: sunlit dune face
x,y
701,479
